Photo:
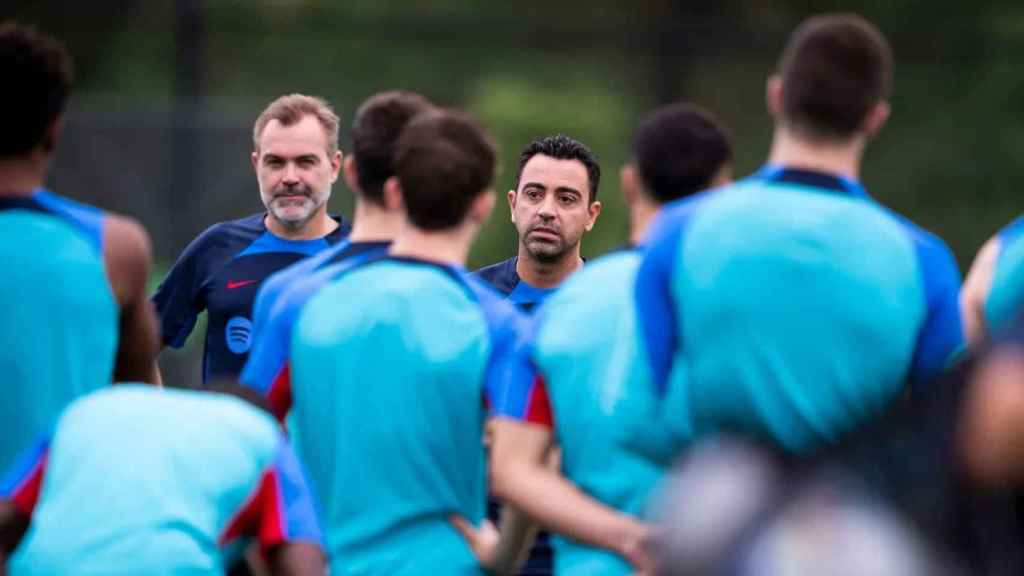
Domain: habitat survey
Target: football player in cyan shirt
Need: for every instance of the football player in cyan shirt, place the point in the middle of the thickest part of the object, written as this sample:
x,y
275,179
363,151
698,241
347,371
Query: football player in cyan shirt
x,y
74,276
296,159
791,306
137,480
375,130
395,362
588,359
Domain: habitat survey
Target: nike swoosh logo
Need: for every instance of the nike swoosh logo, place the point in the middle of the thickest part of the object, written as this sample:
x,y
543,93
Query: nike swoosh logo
x,y
240,283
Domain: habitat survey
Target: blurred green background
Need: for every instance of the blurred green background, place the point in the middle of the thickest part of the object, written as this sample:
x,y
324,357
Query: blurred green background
x,y
160,123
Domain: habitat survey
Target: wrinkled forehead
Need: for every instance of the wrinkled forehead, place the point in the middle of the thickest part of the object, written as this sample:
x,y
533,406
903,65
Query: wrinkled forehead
x,y
301,138
552,173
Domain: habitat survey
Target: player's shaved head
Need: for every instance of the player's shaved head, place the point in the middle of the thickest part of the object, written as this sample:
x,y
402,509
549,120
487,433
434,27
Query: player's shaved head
x,y
375,130
37,72
834,69
679,149
444,161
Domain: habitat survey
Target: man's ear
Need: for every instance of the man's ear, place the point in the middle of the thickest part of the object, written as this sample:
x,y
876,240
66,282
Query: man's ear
x,y
393,195
336,159
255,160
512,205
875,119
593,211
773,96
53,130
629,184
350,173
482,206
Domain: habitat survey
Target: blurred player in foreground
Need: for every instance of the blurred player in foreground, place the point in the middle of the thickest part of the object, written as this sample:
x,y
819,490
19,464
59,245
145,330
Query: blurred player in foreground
x,y
75,277
137,480
589,365
790,305
394,364
375,131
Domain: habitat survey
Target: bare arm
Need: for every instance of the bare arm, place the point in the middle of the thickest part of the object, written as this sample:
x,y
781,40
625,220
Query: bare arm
x,y
127,255
520,476
296,559
975,291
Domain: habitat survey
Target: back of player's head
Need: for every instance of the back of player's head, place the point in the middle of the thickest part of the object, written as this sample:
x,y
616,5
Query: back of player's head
x,y
37,72
292,108
679,149
562,147
375,130
834,69
444,161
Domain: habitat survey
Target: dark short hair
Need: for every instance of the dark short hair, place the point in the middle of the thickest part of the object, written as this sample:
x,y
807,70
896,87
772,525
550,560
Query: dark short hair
x,y
562,147
444,161
678,150
834,69
375,130
37,72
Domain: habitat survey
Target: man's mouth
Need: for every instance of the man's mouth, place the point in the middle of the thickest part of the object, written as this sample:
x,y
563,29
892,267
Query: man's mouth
x,y
543,233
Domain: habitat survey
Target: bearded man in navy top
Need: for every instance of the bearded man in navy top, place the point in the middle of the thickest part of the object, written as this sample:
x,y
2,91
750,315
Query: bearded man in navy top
x,y
296,158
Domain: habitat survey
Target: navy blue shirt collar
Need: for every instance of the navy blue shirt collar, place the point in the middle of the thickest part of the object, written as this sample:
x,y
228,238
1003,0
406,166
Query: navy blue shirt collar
x,y
810,178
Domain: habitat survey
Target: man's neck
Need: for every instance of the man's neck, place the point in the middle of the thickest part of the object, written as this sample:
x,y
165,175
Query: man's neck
x,y
641,214
792,150
318,226
372,223
546,274
21,176
443,247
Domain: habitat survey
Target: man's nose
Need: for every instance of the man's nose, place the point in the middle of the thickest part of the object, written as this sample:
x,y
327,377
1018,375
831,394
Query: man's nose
x,y
547,208
291,174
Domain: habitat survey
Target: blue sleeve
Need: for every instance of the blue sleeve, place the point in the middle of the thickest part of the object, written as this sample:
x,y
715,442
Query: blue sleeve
x,y
179,299
88,219
656,308
516,387
298,516
941,336
511,385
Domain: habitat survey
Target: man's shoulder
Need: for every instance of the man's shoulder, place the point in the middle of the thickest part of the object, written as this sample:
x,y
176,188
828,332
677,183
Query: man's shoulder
x,y
228,236
501,276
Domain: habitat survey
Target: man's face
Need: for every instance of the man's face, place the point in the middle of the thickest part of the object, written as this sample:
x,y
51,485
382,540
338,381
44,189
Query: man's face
x,y
295,170
551,209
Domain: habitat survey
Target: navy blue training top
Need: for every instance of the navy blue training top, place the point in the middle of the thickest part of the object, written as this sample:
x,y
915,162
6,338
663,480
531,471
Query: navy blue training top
x,y
504,278
220,272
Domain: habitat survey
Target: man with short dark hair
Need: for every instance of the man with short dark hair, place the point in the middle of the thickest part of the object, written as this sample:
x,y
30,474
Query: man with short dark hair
x,y
791,306
375,130
135,480
591,370
393,458
74,276
296,159
553,203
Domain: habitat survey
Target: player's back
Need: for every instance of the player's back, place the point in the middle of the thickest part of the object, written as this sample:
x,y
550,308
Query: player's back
x,y
145,481
588,349
802,307
58,338
389,395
